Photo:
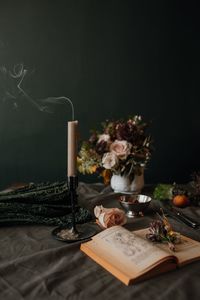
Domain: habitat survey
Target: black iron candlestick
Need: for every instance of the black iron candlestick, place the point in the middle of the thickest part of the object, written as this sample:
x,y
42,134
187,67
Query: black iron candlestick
x,y
76,232
72,185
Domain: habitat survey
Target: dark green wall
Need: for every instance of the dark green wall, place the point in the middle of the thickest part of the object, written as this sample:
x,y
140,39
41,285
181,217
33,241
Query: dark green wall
x,y
112,58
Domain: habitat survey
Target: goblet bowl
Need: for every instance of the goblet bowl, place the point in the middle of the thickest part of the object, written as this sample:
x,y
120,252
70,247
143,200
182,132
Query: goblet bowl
x,y
134,204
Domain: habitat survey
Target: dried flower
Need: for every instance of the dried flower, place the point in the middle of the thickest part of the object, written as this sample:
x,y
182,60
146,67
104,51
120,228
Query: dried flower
x,y
106,174
104,137
161,231
122,147
196,183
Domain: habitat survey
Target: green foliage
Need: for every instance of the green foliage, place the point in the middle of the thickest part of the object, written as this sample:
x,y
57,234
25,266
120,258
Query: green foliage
x,y
163,191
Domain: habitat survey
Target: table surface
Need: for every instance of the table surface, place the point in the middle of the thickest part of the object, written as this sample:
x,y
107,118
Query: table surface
x,y
33,265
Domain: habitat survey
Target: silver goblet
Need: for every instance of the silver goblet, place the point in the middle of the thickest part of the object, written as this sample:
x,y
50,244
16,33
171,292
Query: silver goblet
x,y
134,204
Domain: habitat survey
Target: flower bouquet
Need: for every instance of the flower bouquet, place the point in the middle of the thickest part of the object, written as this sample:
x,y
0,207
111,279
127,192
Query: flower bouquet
x,y
120,148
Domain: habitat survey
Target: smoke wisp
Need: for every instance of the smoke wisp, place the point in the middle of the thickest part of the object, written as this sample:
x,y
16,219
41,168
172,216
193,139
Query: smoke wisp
x,y
11,90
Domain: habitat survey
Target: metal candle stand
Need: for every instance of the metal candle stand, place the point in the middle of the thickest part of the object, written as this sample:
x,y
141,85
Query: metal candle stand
x,y
77,232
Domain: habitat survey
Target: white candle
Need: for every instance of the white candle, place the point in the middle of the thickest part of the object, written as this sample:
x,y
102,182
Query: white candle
x,y
72,148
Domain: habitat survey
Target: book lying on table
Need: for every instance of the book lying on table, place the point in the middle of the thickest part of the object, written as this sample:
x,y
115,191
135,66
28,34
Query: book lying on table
x,y
131,257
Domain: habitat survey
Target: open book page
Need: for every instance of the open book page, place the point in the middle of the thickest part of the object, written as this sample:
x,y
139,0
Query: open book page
x,y
186,251
129,251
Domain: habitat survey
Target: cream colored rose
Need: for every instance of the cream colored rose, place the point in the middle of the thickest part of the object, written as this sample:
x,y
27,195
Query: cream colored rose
x,y
110,160
108,217
98,210
104,138
121,149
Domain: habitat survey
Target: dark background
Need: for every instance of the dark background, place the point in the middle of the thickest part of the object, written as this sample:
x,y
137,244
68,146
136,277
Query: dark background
x,y
113,59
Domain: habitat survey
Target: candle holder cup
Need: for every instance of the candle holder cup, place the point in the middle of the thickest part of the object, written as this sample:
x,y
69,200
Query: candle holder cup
x,y
76,232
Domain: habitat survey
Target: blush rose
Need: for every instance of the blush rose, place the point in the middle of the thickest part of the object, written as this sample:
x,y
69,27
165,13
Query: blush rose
x,y
110,160
121,149
108,217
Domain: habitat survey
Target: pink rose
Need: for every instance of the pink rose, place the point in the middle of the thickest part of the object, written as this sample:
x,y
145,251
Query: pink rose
x,y
110,160
108,217
121,149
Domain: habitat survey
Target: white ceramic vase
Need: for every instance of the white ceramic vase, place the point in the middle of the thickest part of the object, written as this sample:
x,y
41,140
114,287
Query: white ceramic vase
x,y
123,184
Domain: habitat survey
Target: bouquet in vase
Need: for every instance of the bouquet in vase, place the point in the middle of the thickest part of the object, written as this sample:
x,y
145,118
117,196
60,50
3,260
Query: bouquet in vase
x,y
121,147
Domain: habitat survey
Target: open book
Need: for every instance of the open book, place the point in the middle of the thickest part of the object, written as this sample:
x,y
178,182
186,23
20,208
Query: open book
x,y
131,257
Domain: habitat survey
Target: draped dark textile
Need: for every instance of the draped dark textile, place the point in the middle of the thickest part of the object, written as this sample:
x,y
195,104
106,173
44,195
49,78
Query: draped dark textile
x,y
44,203
33,265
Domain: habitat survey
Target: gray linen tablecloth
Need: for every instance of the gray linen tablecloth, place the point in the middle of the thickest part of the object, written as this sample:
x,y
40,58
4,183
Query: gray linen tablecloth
x,y
33,265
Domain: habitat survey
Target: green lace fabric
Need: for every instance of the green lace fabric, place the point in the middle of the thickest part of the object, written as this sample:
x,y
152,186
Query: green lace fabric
x,y
45,203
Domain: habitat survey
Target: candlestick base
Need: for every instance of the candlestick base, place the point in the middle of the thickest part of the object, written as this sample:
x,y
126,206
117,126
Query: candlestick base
x,y
71,235
75,232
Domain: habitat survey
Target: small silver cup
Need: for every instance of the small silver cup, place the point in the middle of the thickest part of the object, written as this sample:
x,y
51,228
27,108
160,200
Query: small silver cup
x,y
134,205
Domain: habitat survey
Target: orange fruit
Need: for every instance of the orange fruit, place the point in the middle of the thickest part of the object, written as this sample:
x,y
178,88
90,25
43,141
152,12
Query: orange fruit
x,y
180,200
